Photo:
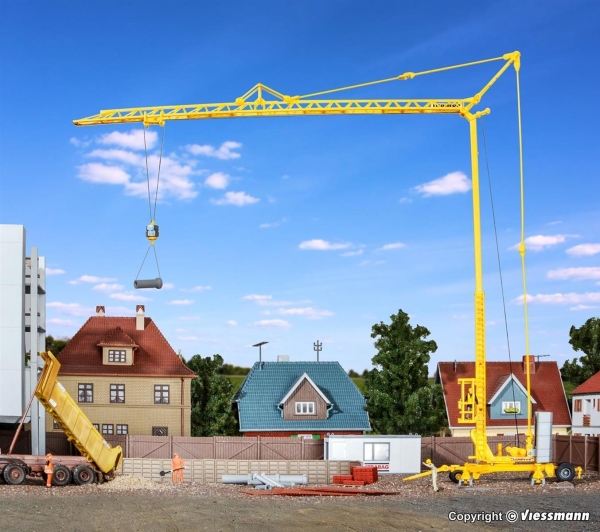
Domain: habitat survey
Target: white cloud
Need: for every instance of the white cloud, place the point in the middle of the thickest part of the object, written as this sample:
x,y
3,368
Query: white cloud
x,y
575,274
188,338
405,200
196,289
123,156
239,199
52,271
256,297
572,298
279,324
79,143
541,242
583,307
231,323
308,312
134,140
371,262
73,309
92,279
584,250
60,321
129,296
101,173
217,180
180,330
189,318
388,247
273,224
168,286
181,302
105,287
322,245
452,183
352,253
222,152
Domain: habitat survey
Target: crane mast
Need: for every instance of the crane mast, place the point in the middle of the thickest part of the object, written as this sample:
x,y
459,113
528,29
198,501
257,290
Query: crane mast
x,y
262,101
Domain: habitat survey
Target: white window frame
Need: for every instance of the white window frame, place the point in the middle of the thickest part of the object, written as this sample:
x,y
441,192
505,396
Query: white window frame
x,y
305,408
122,429
117,355
511,404
369,451
108,429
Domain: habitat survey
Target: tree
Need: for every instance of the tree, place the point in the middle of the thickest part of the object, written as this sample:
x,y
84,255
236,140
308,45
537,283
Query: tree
x,y
400,399
353,375
586,339
211,398
56,346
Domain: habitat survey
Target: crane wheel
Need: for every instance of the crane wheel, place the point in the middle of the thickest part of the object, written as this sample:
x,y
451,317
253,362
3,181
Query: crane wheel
x,y
13,474
565,472
455,476
61,475
83,474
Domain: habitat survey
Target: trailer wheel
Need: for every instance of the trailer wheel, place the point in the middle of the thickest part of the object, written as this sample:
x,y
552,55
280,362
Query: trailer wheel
x,y
455,476
14,474
565,472
83,474
61,475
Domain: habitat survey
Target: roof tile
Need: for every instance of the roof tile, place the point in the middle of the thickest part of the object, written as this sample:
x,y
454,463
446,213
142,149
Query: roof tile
x,y
592,385
153,356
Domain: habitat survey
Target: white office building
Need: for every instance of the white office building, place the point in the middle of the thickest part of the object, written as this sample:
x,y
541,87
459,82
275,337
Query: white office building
x,y
22,331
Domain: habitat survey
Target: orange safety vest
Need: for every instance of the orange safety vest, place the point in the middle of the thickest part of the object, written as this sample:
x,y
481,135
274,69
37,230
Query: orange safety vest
x,y
177,463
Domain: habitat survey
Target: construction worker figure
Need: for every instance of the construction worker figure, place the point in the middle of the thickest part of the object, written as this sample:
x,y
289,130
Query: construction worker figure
x,y
49,470
429,464
177,466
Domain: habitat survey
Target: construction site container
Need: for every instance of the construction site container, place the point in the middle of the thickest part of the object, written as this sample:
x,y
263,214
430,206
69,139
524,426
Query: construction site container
x,y
391,453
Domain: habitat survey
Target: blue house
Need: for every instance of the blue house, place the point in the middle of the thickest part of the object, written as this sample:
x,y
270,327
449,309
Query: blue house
x,y
305,399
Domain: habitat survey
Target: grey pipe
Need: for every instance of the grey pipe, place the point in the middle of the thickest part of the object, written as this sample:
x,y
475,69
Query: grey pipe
x,y
254,479
268,481
148,283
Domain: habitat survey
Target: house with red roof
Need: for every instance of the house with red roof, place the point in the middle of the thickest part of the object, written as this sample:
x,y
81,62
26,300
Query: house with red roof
x,y
586,407
126,377
506,395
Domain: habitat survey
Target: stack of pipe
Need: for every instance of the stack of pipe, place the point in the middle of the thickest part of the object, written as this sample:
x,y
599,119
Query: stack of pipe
x,y
262,481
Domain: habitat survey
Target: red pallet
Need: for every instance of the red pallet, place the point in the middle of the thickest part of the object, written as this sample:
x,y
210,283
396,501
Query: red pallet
x,y
354,483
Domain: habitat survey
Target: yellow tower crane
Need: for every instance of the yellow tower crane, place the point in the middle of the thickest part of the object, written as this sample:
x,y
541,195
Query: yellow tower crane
x,y
472,406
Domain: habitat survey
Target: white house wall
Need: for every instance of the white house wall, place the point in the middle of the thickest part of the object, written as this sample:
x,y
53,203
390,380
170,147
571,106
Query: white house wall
x,y
587,407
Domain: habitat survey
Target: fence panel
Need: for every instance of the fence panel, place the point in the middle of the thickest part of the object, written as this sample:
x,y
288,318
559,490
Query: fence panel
x,y
190,447
150,446
581,451
22,446
237,448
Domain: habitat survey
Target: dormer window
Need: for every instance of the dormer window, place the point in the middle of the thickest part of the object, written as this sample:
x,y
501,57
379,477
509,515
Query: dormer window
x,y
305,408
116,355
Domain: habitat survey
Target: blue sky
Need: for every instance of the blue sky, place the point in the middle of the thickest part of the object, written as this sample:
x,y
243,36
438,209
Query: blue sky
x,y
290,230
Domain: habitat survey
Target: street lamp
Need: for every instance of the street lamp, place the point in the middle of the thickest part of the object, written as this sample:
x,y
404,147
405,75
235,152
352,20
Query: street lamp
x,y
259,345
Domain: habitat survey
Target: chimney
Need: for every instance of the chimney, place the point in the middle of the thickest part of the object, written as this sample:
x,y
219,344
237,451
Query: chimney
x,y
532,364
454,366
139,317
283,358
100,311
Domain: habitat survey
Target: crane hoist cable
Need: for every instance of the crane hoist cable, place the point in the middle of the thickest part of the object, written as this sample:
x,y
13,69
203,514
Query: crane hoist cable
x,y
152,229
489,177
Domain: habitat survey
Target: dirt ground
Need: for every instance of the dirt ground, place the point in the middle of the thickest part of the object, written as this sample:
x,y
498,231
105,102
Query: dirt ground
x,y
128,504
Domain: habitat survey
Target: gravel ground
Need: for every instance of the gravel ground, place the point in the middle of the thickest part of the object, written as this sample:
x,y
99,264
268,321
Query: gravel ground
x,y
129,503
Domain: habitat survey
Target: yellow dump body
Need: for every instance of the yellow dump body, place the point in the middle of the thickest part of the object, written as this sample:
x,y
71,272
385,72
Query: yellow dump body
x,y
75,424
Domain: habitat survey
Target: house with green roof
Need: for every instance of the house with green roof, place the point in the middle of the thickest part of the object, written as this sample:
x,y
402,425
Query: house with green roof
x,y
304,399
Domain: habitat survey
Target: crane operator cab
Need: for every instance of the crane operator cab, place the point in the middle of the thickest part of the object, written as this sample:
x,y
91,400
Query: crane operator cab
x,y
152,231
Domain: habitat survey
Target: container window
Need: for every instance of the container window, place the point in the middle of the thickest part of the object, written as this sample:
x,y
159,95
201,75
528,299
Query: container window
x,y
377,452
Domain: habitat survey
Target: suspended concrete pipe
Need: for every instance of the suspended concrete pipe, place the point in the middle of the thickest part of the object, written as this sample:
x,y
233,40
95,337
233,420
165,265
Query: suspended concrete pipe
x,y
148,283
